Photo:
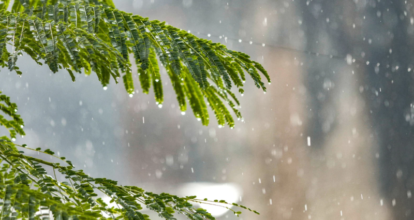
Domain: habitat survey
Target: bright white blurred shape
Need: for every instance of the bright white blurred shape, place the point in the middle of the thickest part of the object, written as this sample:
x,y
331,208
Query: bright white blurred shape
x,y
182,113
107,200
105,88
309,141
63,121
221,191
158,173
348,59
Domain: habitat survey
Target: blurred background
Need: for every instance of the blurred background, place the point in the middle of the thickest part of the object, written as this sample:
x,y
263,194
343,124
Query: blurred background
x,y
332,138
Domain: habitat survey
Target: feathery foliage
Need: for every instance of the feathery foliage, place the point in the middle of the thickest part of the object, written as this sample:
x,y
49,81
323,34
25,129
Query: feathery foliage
x,y
85,36
29,185
93,36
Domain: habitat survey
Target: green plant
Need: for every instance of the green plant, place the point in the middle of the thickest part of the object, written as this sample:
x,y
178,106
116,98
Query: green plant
x,y
93,36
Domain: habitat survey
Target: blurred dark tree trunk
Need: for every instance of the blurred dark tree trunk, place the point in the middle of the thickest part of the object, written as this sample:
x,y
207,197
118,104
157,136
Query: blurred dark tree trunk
x,y
389,89
326,31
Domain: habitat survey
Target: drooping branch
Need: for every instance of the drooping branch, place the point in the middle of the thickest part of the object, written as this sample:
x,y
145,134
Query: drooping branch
x,y
93,36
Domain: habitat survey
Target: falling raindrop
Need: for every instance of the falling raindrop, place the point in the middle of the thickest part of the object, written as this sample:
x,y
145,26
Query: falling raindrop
x,y
105,88
131,95
348,59
183,113
160,106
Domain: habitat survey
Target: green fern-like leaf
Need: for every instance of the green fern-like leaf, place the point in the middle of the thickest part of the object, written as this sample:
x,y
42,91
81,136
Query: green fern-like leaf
x,y
93,36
